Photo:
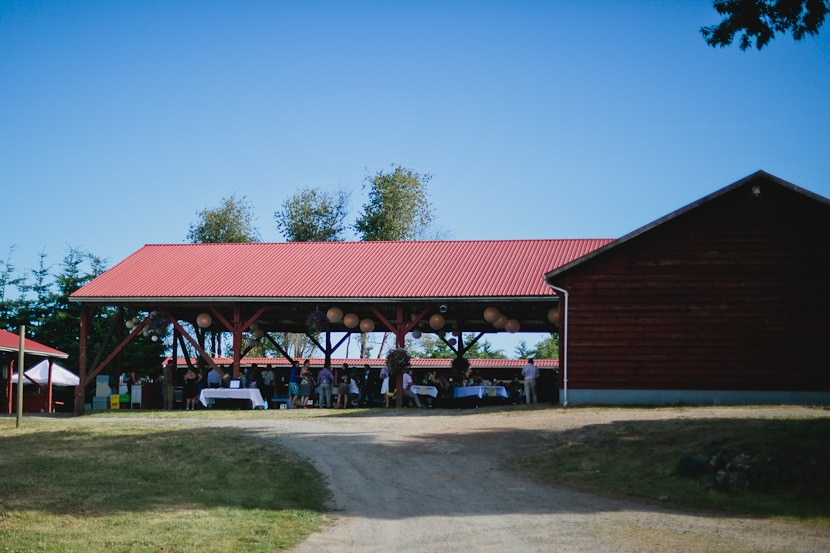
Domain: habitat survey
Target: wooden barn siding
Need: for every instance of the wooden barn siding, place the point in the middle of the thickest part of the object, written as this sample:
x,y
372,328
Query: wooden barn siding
x,y
730,296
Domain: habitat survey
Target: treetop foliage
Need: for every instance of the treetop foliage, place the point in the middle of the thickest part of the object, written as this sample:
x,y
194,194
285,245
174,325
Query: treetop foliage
x,y
398,206
232,221
313,215
760,20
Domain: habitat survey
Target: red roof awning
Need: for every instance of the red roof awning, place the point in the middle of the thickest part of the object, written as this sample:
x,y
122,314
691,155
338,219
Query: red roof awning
x,y
11,342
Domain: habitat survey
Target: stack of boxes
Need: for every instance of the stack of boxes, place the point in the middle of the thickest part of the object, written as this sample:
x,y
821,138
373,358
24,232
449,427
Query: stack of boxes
x,y
102,392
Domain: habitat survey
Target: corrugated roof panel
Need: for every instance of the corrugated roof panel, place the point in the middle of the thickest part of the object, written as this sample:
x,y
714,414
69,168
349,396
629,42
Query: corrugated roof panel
x,y
339,269
11,342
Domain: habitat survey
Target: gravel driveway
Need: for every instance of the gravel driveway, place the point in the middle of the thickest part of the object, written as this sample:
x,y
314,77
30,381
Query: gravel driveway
x,y
418,480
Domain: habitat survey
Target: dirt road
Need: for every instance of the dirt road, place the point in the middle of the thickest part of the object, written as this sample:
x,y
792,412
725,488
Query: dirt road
x,y
416,480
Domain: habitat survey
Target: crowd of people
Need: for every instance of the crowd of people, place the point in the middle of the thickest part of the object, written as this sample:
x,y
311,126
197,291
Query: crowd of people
x,y
347,387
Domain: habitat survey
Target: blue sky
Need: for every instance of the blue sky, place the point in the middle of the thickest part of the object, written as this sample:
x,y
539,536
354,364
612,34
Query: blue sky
x,y
536,119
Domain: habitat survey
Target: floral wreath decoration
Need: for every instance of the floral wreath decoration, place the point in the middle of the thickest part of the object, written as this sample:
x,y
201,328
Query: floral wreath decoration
x,y
397,361
315,322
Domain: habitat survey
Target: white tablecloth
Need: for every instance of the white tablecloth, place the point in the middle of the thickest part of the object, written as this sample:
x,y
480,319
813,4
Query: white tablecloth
x,y
424,390
480,391
251,394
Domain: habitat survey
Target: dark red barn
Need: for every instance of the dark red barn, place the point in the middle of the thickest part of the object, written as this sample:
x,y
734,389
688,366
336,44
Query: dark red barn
x,y
724,301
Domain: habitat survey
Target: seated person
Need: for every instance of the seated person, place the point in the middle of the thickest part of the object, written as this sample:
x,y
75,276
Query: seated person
x,y
407,391
444,386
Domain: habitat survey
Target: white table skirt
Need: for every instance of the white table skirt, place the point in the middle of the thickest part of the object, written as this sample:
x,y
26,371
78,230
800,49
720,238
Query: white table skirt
x,y
424,390
251,394
480,391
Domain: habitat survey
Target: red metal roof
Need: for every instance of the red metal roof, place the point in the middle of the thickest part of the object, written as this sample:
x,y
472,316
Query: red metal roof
x,y
415,269
11,342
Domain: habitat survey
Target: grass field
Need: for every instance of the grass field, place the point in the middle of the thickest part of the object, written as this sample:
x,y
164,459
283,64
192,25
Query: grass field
x,y
783,464
136,487
177,488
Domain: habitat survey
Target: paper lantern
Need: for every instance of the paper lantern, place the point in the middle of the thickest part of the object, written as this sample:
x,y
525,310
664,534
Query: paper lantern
x,y
334,314
351,320
491,314
204,320
259,333
436,322
367,325
500,321
254,326
512,325
130,324
154,338
416,333
452,341
553,315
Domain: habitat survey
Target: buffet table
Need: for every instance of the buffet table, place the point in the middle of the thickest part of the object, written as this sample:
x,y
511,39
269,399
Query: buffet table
x,y
480,391
421,390
251,394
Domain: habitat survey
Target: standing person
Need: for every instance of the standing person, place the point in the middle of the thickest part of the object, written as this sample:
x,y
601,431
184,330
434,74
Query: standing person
x,y
530,373
214,379
293,385
191,388
365,399
306,383
325,378
268,384
169,376
388,390
343,388
354,390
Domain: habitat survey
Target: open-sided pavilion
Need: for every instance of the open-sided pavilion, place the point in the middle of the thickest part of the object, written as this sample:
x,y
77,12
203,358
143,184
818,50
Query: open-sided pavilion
x,y
327,288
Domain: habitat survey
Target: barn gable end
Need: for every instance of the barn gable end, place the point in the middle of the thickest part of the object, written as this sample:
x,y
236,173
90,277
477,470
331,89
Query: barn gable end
x,y
724,301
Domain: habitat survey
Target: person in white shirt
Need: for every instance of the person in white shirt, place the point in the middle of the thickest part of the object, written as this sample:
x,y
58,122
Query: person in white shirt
x,y
530,373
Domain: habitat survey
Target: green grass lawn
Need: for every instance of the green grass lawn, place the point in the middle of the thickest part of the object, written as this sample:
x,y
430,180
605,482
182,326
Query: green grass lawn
x,y
68,487
785,464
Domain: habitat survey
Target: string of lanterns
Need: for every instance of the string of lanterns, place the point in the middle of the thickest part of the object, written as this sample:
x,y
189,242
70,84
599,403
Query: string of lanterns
x,y
335,315
156,325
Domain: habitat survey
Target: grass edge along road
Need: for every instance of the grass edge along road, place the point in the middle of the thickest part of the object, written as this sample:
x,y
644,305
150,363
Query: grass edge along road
x,y
765,466
138,487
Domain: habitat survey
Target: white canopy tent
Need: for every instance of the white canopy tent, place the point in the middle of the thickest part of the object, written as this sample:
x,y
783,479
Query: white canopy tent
x,y
40,374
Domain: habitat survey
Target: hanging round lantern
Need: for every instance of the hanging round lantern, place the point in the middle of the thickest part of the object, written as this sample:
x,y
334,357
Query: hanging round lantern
x,y
258,334
491,314
452,341
154,338
129,324
351,320
254,326
334,314
204,320
500,321
416,333
436,322
553,316
367,325
512,325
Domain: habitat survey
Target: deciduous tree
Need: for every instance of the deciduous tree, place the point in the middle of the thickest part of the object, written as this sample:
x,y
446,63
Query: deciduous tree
x,y
232,221
313,215
398,206
760,20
